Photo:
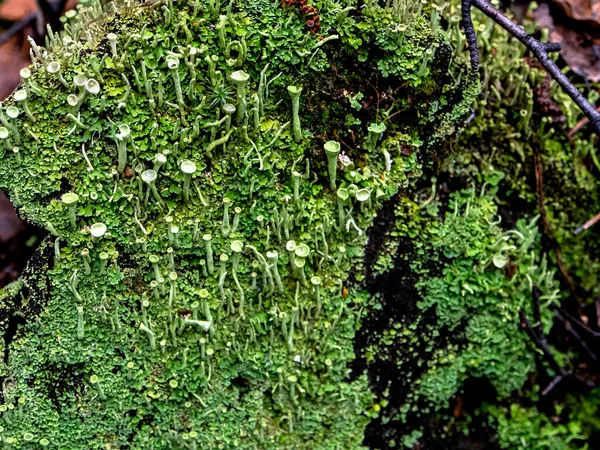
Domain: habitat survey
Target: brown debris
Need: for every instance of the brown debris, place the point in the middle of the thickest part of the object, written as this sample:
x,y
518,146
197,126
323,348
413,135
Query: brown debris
x,y
12,10
546,105
580,49
587,11
313,21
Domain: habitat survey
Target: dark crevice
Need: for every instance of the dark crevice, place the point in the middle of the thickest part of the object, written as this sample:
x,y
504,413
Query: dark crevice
x,y
28,302
394,372
242,386
65,186
60,381
377,233
14,322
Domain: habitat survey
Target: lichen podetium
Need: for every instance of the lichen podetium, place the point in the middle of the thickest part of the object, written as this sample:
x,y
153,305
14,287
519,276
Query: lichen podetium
x,y
193,293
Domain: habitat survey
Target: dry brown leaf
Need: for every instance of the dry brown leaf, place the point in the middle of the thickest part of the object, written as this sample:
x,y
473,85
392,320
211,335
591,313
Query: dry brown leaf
x,y
587,11
578,50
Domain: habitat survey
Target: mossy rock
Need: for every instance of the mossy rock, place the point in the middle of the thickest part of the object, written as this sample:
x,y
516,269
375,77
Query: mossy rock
x,y
203,287
249,247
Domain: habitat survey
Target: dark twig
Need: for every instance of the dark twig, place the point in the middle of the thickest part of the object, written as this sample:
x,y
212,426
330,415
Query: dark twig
x,y
557,379
45,13
537,336
569,327
48,12
536,332
18,27
566,316
588,224
51,11
541,51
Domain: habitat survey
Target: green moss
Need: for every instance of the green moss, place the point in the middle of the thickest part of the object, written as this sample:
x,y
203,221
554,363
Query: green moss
x,y
526,428
11,290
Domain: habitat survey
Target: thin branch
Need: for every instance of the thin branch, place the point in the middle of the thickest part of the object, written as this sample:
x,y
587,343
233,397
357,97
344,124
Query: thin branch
x,y
17,27
588,224
48,10
52,10
564,315
537,336
577,336
540,50
557,379
45,13
583,122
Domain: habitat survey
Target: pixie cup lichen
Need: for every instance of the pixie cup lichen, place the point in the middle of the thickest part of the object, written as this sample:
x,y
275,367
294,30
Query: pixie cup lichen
x,y
28,84
122,137
229,110
188,168
332,150
88,87
5,136
70,199
54,68
294,92
240,79
149,177
21,97
375,132
98,230
13,113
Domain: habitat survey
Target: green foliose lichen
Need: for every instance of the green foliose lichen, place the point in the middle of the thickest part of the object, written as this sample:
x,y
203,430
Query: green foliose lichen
x,y
521,155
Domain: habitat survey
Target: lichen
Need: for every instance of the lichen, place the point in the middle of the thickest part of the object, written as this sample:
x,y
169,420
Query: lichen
x,y
205,287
